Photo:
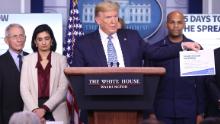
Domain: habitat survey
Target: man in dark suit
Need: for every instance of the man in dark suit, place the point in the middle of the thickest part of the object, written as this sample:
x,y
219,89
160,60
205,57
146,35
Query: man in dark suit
x,y
91,50
213,87
179,100
10,99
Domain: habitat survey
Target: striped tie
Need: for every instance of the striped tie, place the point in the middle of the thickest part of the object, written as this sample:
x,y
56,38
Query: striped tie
x,y
112,55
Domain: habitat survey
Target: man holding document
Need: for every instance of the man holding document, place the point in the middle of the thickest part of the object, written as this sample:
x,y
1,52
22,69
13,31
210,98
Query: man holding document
x,y
179,100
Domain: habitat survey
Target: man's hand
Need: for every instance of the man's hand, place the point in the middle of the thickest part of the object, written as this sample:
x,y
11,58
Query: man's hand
x,y
191,46
218,104
199,119
152,116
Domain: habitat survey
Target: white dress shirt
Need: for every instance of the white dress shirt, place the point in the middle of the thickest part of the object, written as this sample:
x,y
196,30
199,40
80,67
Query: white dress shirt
x,y
15,57
116,43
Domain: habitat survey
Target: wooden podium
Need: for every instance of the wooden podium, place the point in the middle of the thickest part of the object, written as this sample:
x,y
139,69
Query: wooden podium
x,y
115,95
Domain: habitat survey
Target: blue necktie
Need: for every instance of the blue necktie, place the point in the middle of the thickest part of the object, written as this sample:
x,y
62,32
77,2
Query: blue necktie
x,y
112,55
20,61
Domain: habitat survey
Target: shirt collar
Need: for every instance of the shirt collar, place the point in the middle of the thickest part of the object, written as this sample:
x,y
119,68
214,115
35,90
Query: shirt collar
x,y
38,65
48,57
14,54
167,40
104,35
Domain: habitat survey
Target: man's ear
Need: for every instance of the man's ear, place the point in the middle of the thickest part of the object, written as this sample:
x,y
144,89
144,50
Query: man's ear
x,y
6,40
165,24
97,20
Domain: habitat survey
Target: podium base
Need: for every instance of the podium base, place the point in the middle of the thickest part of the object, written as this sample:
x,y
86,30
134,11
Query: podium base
x,y
115,117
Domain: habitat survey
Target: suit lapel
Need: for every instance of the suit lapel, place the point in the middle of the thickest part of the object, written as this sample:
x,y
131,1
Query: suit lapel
x,y
124,46
98,47
52,71
11,61
34,72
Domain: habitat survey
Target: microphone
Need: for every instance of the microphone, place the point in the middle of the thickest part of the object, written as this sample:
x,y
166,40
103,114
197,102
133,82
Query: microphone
x,y
118,64
111,64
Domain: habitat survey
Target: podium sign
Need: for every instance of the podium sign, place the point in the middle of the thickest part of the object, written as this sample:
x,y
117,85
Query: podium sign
x,y
126,84
115,95
89,99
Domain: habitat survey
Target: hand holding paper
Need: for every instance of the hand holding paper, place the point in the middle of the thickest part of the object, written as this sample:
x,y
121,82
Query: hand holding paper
x,y
191,46
197,63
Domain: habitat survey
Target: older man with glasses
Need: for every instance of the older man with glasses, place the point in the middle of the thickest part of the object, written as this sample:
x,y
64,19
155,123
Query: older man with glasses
x,y
10,66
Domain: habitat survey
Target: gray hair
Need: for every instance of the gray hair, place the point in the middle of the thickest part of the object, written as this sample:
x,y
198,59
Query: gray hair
x,y
24,117
11,26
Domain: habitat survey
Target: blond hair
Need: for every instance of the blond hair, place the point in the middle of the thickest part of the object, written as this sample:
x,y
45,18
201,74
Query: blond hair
x,y
106,6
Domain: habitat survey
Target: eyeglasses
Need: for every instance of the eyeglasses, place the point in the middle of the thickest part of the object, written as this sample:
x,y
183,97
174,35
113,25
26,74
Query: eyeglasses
x,y
15,37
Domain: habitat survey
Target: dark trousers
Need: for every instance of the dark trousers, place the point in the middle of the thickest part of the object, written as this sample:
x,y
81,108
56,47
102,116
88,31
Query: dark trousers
x,y
167,120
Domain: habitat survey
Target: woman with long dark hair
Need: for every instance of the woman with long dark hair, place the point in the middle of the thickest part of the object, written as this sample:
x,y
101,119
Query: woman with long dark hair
x,y
43,82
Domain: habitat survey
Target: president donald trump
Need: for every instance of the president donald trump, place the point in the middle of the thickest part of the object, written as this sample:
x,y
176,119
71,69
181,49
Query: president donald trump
x,y
109,46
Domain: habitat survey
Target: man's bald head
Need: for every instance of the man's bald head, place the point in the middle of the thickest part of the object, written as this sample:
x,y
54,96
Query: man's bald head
x,y
175,13
175,25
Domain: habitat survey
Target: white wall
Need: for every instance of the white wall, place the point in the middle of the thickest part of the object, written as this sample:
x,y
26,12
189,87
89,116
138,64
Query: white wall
x,y
15,6
211,6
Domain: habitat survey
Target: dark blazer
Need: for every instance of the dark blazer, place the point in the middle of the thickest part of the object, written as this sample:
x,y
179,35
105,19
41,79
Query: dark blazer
x,y
213,85
89,52
176,96
10,99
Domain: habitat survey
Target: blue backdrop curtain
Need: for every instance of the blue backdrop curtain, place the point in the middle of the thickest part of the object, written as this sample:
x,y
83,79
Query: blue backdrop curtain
x,y
37,6
195,6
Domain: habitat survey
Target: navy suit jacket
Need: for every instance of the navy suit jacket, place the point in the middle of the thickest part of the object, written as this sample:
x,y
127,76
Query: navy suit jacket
x,y
10,99
89,51
176,96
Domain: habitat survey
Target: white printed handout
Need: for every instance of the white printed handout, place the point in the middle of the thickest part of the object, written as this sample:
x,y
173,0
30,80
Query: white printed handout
x,y
197,63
